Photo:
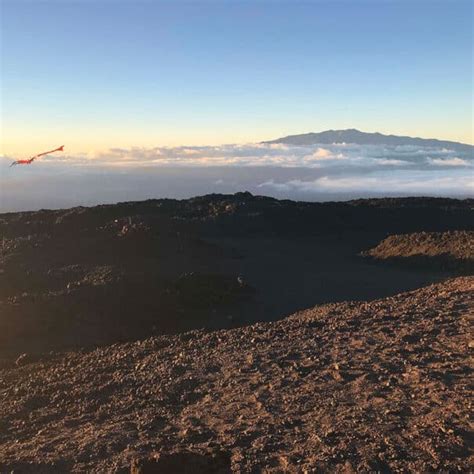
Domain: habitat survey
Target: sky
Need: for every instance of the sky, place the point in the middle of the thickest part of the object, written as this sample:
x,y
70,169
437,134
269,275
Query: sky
x,y
103,74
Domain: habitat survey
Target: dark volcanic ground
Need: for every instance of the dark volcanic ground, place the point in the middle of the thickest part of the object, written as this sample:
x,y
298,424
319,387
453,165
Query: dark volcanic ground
x,y
382,386
84,277
354,386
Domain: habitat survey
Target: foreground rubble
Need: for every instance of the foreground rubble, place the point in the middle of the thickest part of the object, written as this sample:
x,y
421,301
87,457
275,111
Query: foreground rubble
x,y
376,386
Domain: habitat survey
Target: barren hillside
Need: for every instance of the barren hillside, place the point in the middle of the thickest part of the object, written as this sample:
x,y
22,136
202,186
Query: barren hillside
x,y
355,386
85,277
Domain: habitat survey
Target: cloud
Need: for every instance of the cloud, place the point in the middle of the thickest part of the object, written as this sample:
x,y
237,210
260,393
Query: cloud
x,y
322,153
298,172
336,156
384,183
263,154
391,162
455,161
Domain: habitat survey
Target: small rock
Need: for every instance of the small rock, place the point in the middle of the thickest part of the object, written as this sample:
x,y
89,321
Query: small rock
x,y
23,359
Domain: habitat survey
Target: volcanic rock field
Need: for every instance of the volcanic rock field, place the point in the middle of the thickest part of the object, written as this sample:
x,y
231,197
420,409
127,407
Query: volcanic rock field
x,y
155,336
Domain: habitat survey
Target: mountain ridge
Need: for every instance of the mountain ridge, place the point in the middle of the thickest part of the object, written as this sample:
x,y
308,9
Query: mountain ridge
x,y
355,136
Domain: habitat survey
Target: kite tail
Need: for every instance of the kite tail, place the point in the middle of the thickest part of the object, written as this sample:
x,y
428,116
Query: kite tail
x,y
33,158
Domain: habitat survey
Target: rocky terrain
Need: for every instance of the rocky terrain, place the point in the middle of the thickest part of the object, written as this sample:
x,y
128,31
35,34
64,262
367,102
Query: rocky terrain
x,y
85,277
379,386
436,250
148,336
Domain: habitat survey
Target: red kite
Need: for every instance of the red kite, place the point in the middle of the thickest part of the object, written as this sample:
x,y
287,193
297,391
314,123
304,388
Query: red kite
x,y
33,158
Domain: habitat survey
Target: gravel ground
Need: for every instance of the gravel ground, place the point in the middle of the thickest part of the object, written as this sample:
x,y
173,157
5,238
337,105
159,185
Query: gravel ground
x,y
347,387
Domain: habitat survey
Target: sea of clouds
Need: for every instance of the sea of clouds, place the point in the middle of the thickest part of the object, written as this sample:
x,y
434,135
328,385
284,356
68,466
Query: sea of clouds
x,y
318,172
273,154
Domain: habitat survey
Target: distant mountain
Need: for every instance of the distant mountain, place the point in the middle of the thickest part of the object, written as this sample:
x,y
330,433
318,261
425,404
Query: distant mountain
x,y
362,138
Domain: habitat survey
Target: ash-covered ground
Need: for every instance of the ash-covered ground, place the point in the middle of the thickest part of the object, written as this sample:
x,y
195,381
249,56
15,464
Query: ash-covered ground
x,y
151,336
84,277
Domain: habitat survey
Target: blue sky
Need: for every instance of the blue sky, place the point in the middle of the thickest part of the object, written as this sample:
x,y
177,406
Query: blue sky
x,y
100,74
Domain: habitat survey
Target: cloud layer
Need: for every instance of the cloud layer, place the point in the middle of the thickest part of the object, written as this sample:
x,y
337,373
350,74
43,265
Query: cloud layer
x,y
316,172
401,182
266,154
260,154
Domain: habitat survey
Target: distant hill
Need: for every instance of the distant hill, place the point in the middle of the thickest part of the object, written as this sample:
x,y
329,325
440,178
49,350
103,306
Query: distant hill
x,y
362,138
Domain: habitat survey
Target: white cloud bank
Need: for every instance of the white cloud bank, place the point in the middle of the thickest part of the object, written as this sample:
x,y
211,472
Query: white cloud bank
x,y
382,183
266,154
261,154
455,161
317,172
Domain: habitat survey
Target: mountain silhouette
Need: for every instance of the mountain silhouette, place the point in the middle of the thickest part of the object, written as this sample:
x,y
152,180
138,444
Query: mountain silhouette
x,y
363,138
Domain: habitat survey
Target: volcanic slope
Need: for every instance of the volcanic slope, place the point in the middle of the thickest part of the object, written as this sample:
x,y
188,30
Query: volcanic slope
x,y
344,387
88,277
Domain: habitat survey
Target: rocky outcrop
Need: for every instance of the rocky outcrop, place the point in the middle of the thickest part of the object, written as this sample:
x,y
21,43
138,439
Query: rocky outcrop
x,y
434,250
